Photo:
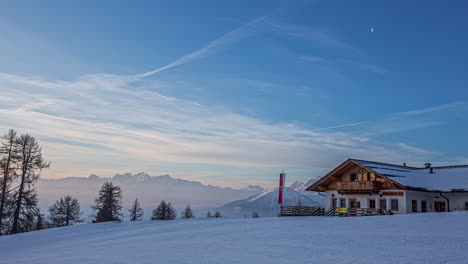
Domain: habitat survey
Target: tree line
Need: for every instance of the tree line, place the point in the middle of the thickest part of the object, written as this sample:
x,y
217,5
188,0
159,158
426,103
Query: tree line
x,y
21,163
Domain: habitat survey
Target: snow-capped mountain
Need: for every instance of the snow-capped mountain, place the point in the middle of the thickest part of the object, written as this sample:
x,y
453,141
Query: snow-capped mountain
x,y
149,190
266,203
301,187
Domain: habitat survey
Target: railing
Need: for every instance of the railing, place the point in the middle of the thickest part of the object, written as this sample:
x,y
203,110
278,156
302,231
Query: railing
x,y
301,211
358,185
360,212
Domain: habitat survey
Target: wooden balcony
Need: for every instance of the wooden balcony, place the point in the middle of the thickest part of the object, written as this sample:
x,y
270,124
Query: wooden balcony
x,y
358,187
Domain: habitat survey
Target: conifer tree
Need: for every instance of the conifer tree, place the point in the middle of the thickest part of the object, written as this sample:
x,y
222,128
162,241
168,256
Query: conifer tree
x,y
108,204
136,212
31,163
218,214
164,211
208,214
65,212
187,213
8,166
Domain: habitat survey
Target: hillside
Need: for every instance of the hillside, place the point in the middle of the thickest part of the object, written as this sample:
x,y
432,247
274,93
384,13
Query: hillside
x,y
266,203
417,238
150,190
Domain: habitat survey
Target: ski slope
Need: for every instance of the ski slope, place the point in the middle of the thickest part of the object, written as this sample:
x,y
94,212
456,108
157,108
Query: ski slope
x,y
418,238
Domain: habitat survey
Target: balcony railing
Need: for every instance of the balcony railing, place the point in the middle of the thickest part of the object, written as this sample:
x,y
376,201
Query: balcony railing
x,y
358,186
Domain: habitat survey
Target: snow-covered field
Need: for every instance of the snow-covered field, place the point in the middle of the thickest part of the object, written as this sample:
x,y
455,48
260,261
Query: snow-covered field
x,y
419,238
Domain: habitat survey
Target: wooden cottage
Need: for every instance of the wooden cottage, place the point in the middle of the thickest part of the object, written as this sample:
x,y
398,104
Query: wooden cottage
x,y
366,187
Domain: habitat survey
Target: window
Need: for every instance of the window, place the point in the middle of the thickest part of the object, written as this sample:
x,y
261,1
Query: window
x,y
383,204
342,203
394,205
423,206
368,176
359,204
414,205
353,177
372,203
334,203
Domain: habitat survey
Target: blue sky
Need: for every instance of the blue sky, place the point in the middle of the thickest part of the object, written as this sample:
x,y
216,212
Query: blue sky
x,y
231,93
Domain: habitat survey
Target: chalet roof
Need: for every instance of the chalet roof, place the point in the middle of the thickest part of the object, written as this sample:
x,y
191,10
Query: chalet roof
x,y
442,178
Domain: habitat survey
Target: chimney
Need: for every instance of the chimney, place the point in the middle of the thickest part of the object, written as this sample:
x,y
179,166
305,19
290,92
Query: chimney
x,y
428,165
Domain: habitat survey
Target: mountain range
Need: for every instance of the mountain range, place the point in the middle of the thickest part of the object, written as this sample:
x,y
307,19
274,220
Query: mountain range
x,y
149,190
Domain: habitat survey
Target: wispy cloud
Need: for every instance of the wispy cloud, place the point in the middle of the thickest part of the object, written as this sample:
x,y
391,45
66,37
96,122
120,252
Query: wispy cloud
x,y
307,33
345,125
230,37
414,149
99,123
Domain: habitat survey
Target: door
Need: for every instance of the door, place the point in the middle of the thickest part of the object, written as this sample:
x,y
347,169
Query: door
x,y
440,207
353,203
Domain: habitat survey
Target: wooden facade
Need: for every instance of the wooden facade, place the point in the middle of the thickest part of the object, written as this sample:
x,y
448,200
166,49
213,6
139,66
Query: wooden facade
x,y
353,178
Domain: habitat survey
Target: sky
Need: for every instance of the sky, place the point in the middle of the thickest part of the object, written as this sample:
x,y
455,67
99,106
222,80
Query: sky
x,y
230,93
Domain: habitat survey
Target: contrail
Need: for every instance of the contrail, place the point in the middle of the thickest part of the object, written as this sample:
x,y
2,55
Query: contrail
x,y
229,37
346,125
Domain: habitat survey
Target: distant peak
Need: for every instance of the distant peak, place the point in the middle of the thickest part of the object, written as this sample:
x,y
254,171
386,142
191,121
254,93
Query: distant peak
x,y
93,176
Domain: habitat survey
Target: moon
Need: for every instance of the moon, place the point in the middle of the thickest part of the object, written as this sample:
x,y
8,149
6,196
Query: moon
x,y
372,30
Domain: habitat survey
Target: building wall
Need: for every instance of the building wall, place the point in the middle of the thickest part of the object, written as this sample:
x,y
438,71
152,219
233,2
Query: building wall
x,y
456,200
364,200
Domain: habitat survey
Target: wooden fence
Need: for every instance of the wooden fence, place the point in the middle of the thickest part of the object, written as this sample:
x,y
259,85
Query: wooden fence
x,y
301,211
360,212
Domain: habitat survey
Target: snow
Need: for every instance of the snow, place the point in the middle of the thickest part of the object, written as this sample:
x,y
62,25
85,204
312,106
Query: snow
x,y
442,178
414,238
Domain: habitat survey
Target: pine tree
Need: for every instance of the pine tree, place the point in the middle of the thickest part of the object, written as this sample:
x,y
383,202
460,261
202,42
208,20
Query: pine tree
x,y
208,214
218,214
108,204
65,212
136,212
8,165
41,222
187,213
30,163
164,211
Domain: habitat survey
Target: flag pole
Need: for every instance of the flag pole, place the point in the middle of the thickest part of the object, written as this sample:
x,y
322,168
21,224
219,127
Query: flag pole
x,y
282,182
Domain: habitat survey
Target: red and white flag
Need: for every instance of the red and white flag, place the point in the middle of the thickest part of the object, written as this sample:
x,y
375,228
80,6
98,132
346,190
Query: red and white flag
x,y
282,182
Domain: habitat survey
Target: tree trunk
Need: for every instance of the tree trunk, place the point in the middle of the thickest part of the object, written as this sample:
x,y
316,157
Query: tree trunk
x,y
6,173
24,170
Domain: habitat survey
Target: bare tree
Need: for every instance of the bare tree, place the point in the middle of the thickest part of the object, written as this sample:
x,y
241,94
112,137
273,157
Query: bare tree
x,y
25,199
164,211
8,164
108,204
65,212
187,213
136,212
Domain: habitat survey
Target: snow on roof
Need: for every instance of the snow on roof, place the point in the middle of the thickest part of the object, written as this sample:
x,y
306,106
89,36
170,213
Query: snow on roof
x,y
442,178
